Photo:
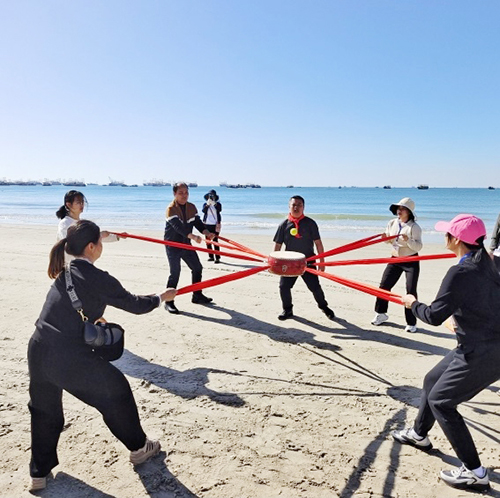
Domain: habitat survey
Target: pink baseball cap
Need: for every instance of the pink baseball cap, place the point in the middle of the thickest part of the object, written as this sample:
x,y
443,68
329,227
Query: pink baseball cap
x,y
465,227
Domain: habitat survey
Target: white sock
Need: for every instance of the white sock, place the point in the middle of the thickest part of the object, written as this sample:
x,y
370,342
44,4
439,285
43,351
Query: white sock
x,y
480,471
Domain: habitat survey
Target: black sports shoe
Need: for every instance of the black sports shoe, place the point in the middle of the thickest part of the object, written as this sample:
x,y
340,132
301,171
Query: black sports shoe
x,y
405,436
328,312
201,299
217,261
171,308
463,478
285,315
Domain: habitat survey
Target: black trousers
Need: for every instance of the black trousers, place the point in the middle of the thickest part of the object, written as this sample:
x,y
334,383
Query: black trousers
x,y
391,275
87,377
496,260
312,282
458,377
175,255
212,229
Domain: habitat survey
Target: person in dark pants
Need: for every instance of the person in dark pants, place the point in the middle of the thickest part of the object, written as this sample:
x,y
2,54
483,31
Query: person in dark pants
x,y
468,297
407,243
181,218
59,359
301,234
212,220
495,244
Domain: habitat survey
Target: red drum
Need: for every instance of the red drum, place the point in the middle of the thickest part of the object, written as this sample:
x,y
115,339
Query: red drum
x,y
287,263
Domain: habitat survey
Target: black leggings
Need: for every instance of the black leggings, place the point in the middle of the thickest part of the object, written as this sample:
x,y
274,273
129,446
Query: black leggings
x,y
90,379
390,276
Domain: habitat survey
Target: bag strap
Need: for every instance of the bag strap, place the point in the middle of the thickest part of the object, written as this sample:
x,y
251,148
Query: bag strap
x,y
70,289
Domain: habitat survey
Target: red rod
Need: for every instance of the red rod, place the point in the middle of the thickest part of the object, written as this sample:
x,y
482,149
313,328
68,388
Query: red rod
x,y
368,241
221,280
189,247
406,259
368,289
242,247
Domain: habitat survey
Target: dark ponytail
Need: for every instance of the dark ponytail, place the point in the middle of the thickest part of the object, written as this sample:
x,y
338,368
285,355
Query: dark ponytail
x,y
79,236
482,256
69,197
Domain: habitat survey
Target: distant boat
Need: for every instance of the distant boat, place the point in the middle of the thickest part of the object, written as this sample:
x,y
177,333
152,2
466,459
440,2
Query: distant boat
x,y
115,183
156,183
192,184
289,186
491,188
73,183
387,186
423,187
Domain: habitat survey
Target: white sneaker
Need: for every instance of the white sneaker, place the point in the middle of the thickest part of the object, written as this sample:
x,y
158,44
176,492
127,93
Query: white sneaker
x,y
39,483
380,318
411,328
405,436
150,449
463,478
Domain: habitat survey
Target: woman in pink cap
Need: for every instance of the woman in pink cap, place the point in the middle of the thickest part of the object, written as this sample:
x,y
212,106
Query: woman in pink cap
x,y
469,298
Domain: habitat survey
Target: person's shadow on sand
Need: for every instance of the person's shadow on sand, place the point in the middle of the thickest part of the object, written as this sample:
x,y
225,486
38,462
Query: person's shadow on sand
x,y
187,384
159,482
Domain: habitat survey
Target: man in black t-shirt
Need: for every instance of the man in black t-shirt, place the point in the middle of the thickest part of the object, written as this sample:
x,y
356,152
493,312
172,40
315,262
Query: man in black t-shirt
x,y
301,234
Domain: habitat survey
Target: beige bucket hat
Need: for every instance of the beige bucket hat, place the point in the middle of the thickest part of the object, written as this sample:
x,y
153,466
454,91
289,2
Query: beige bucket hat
x,y
405,202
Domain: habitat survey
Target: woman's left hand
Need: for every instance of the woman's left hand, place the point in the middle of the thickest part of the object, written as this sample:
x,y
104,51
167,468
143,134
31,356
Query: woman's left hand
x,y
408,300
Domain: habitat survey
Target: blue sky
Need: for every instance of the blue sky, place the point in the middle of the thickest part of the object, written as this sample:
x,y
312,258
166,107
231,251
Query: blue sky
x,y
275,92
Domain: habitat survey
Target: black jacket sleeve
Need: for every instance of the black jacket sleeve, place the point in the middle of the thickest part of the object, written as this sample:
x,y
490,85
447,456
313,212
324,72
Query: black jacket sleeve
x,y
450,297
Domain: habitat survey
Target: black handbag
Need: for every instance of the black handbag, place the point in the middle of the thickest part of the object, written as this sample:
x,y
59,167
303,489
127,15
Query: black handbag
x,y
105,338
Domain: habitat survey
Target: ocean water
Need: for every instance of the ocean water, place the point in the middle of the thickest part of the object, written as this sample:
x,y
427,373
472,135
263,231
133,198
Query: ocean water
x,y
346,213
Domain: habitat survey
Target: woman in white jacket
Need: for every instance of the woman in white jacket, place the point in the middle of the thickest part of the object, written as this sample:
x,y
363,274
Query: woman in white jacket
x,y
407,243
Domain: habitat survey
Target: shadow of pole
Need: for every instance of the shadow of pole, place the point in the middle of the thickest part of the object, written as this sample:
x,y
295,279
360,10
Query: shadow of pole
x,y
370,454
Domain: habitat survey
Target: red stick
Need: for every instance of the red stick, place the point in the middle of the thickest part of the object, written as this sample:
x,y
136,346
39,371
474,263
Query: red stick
x,y
406,259
242,247
221,280
189,247
368,289
368,241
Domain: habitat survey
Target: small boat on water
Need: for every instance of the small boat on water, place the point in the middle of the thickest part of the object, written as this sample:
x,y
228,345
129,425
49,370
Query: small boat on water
x,y
491,188
387,186
422,186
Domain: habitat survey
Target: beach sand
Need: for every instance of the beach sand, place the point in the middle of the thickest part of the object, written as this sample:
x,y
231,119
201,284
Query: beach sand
x,y
244,405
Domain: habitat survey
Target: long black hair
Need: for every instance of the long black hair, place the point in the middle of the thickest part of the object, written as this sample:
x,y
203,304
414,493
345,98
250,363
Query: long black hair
x,y
79,236
69,197
481,256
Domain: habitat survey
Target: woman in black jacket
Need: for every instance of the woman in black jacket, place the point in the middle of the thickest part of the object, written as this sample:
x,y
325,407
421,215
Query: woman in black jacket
x,y
59,359
469,297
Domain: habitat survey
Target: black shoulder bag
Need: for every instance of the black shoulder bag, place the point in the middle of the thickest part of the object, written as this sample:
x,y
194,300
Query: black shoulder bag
x,y
106,339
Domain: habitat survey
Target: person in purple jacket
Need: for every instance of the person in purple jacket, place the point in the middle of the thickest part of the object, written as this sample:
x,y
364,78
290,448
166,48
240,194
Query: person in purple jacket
x,y
469,299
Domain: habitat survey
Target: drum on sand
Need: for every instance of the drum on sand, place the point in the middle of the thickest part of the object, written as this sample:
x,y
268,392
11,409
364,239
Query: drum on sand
x,y
287,263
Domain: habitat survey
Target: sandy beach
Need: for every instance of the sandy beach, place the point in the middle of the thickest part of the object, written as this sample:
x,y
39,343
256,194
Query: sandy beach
x,y
244,405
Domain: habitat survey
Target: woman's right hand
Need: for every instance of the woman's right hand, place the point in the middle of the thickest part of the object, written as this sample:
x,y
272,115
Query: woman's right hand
x,y
168,294
194,237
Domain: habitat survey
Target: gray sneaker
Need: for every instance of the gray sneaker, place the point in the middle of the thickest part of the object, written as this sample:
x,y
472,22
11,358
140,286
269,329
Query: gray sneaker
x,y
463,478
150,449
404,437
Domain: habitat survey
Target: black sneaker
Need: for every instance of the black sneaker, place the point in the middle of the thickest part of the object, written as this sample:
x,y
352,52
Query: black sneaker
x,y
328,312
463,478
404,436
201,299
217,261
171,308
285,315
210,259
